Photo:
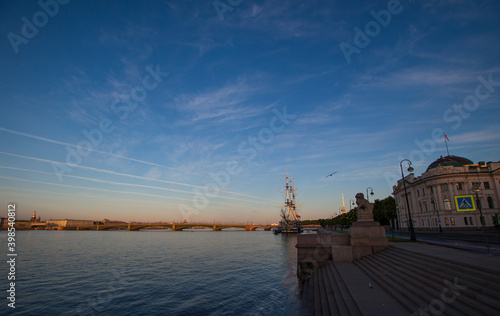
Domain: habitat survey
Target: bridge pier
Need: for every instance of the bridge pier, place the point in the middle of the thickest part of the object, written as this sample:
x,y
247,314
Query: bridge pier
x,y
128,227
97,228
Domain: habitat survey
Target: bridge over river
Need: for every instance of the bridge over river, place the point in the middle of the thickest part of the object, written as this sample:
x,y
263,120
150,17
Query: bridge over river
x,y
172,226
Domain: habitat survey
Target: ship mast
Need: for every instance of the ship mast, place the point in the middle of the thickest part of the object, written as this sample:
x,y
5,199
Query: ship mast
x,y
290,205
290,221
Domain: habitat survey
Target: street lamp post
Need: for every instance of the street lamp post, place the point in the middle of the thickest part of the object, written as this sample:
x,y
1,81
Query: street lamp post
x,y
476,189
436,207
351,203
399,221
410,169
371,193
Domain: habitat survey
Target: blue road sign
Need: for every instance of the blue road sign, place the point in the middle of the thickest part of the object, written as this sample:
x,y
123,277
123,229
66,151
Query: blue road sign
x,y
465,203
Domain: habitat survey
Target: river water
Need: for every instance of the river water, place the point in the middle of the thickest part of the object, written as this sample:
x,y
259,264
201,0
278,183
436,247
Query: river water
x,y
150,272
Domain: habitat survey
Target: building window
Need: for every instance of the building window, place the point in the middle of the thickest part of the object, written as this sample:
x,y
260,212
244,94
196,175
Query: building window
x,y
420,206
460,186
426,209
466,221
452,219
479,205
470,221
490,202
423,191
487,185
423,222
432,190
446,221
428,222
435,222
447,205
444,187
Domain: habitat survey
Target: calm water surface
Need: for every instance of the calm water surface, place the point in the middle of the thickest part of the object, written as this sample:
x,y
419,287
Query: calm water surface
x,y
151,272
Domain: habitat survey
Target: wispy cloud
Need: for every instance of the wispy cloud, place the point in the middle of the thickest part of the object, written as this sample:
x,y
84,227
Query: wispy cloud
x,y
230,103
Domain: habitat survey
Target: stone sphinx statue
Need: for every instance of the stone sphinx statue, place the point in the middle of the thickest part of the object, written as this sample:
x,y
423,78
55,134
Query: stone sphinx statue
x,y
365,209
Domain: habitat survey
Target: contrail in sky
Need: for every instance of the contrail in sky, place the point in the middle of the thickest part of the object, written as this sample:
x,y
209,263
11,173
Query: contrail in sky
x,y
124,174
133,185
108,190
114,155
50,193
91,149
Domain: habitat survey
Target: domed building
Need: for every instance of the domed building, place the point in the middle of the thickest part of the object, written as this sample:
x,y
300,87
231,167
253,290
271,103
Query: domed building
x,y
450,161
433,196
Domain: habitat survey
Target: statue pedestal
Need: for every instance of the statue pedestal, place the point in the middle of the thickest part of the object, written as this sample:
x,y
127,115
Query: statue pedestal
x,y
367,237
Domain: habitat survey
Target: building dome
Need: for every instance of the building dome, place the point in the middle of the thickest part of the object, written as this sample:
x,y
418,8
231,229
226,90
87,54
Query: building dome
x,y
454,161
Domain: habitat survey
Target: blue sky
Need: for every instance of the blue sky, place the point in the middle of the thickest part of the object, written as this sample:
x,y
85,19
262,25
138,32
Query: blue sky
x,y
172,110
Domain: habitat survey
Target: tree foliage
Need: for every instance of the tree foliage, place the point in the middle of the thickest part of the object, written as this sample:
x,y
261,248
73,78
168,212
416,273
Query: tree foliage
x,y
384,211
341,221
310,222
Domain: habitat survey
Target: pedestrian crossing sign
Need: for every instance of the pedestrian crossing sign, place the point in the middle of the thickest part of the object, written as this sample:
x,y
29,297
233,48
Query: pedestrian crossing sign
x,y
465,203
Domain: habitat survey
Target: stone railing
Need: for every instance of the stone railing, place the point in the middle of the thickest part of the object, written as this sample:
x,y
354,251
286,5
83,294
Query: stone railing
x,y
317,250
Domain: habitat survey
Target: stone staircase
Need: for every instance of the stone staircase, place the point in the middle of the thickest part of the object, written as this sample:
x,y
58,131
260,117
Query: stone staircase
x,y
325,293
396,281
428,285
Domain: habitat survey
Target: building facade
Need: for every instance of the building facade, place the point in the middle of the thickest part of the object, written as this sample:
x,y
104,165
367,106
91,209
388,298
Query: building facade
x,y
19,224
432,196
62,223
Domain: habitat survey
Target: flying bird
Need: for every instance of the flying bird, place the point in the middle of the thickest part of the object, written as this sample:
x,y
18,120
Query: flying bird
x,y
331,174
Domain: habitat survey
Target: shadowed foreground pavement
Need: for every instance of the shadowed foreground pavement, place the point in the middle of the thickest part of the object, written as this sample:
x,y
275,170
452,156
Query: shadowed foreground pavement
x,y
404,279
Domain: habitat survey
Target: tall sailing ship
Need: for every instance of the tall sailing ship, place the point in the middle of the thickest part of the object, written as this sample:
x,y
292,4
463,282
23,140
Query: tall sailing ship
x,y
290,220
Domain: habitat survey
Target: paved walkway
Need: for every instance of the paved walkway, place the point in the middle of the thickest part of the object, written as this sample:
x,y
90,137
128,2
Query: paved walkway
x,y
382,286
481,261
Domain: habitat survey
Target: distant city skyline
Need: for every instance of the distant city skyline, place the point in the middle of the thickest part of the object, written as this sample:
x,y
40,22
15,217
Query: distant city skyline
x,y
165,111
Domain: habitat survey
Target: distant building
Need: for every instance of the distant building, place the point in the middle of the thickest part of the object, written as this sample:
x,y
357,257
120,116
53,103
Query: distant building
x,y
4,223
23,225
432,195
61,223
19,224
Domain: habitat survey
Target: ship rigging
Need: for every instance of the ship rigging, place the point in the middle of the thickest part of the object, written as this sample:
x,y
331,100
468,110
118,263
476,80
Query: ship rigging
x,y
290,220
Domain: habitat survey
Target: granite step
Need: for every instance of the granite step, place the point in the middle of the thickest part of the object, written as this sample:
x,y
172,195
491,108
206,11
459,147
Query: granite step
x,y
418,281
327,294
347,305
485,276
477,289
431,290
399,291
